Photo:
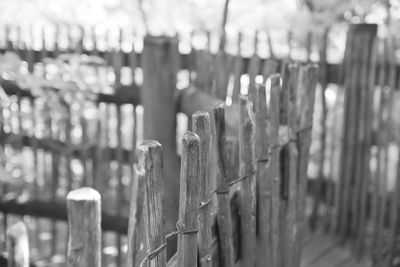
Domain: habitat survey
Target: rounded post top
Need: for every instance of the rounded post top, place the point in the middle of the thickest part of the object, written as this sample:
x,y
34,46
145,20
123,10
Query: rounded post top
x,y
149,144
200,114
219,106
84,194
275,80
190,138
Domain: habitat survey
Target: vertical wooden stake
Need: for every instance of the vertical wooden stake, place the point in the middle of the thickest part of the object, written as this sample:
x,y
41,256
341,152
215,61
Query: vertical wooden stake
x,y
223,213
84,220
189,201
262,151
273,133
151,159
308,78
17,246
247,194
201,126
160,64
136,213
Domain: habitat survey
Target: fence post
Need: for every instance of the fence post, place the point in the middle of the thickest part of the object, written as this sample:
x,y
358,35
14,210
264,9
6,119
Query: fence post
x,y
151,159
189,201
247,175
358,64
17,245
262,151
84,220
308,78
201,126
160,65
291,230
135,215
273,133
223,213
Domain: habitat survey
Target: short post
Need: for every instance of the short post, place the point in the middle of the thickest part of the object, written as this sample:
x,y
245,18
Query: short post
x,y
135,215
17,245
151,160
84,221
187,225
201,126
248,186
224,210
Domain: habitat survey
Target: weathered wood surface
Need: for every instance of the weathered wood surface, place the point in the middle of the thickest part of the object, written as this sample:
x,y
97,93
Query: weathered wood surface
x,y
135,226
248,184
202,127
84,220
187,225
151,160
224,220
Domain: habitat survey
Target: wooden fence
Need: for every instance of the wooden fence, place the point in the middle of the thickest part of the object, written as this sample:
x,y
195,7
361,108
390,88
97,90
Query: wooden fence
x,y
351,200
248,219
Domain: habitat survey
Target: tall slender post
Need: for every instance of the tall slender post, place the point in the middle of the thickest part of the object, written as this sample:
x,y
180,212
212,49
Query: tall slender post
x,y
262,151
84,220
17,245
151,159
189,201
201,126
160,62
308,78
273,133
223,212
247,173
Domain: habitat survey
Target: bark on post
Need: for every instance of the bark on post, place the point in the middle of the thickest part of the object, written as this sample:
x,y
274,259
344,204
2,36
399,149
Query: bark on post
x,y
223,213
201,126
135,217
84,220
187,225
151,159
247,193
17,246
160,66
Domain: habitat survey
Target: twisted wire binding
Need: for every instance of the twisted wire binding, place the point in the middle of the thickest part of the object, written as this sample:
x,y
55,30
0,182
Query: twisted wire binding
x,y
179,230
231,183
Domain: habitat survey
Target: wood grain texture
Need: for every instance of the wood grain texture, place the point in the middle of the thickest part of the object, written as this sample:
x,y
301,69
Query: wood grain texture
x,y
187,225
201,126
262,150
223,211
151,160
84,221
136,217
247,192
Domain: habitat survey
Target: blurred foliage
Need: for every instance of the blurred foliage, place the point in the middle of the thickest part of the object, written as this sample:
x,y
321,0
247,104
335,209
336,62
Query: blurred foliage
x,y
170,16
